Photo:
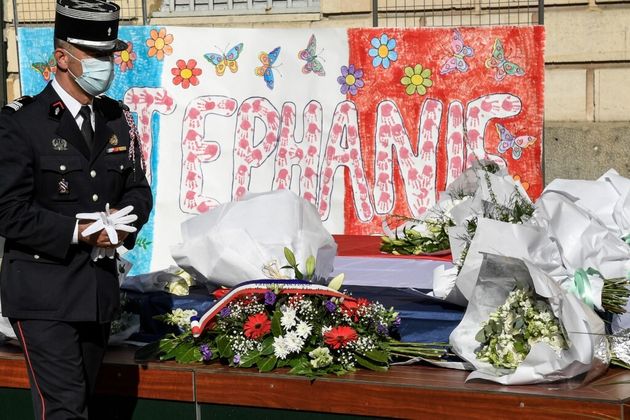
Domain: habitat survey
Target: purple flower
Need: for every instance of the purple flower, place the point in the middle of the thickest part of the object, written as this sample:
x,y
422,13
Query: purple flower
x,y
350,80
397,321
330,306
237,359
270,297
206,353
225,312
382,329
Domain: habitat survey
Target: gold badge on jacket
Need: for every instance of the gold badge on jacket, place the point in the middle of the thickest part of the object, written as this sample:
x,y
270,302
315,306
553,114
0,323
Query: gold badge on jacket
x,y
113,140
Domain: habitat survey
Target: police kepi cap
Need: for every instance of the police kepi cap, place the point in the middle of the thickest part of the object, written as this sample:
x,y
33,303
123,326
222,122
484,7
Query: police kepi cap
x,y
89,24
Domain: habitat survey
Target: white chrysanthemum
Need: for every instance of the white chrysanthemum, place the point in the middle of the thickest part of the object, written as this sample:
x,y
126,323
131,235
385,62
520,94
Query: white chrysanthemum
x,y
293,342
280,349
288,319
303,329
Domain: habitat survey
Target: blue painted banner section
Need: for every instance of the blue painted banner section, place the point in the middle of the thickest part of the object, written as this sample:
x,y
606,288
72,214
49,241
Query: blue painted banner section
x,y
35,53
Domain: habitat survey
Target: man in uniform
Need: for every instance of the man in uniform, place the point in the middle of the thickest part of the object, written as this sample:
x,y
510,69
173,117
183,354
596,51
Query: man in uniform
x,y
63,152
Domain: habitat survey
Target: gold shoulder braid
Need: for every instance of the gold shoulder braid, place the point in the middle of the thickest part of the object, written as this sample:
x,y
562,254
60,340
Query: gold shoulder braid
x,y
134,139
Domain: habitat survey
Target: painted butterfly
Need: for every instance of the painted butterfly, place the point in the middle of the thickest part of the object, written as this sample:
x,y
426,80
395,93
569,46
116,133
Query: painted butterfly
x,y
457,62
508,141
502,65
267,61
46,69
310,56
221,61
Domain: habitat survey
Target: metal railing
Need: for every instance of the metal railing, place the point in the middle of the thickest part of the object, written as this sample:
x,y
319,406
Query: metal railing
x,y
440,13
235,7
42,12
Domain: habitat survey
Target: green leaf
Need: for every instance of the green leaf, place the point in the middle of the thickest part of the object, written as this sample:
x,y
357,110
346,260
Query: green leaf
x,y
223,345
180,352
377,356
284,362
192,354
310,267
298,273
288,254
267,346
250,359
368,364
302,370
174,351
337,281
480,336
267,364
276,328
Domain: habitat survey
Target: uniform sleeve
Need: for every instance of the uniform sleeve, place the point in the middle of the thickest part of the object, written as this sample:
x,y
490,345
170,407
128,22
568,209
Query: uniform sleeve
x,y
137,193
22,221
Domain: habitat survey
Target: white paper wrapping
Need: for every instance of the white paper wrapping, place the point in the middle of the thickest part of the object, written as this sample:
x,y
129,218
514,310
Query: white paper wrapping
x,y
511,240
231,243
585,329
584,241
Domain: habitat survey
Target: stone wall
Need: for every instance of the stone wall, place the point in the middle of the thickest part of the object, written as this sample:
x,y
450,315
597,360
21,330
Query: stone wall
x,y
587,87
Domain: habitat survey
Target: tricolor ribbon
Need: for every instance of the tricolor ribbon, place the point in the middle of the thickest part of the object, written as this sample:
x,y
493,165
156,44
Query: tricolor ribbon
x,y
260,287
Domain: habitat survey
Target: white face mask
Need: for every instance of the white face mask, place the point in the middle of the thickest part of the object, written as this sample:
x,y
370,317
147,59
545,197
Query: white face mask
x,y
98,73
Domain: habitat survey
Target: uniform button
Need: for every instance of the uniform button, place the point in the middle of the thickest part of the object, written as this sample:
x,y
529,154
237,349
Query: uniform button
x,y
122,167
62,167
95,197
36,256
93,173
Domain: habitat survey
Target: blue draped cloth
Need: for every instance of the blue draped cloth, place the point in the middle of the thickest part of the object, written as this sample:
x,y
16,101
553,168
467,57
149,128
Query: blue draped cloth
x,y
423,319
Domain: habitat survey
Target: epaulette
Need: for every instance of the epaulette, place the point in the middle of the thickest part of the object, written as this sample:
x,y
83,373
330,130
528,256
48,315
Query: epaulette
x,y
111,107
16,105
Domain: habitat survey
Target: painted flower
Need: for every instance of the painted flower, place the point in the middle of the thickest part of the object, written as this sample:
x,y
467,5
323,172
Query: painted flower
x,y
125,58
340,336
350,79
186,73
160,43
257,326
525,184
383,51
416,80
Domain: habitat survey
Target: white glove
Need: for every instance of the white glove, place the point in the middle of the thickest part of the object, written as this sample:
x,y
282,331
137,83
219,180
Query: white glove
x,y
111,222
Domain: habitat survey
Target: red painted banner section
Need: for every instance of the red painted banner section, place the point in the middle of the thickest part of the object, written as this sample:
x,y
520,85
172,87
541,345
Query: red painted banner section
x,y
447,97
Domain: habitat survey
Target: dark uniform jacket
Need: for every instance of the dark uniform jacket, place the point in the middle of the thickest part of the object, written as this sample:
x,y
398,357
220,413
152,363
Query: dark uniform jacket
x,y
47,176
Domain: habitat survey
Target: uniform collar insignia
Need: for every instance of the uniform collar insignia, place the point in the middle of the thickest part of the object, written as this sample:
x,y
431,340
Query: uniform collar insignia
x,y
56,110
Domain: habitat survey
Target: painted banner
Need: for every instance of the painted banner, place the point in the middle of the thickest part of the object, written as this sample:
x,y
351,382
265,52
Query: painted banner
x,y
362,123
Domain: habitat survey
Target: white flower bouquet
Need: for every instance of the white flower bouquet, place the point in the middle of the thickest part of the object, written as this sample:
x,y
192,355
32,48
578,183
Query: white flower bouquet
x,y
549,358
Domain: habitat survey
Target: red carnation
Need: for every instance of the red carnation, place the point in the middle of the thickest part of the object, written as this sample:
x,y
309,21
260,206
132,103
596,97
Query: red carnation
x,y
340,336
363,302
257,326
349,307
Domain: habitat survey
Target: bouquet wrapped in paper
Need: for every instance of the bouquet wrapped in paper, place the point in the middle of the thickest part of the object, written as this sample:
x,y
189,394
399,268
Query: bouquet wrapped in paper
x,y
497,196
607,198
241,240
521,327
508,239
